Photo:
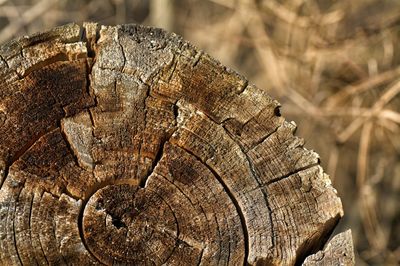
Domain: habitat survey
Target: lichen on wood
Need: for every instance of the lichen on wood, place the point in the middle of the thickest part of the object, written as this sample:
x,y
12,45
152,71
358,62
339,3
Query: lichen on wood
x,y
127,145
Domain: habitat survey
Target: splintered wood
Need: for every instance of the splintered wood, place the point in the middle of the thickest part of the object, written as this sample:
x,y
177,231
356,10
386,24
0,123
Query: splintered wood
x,y
127,145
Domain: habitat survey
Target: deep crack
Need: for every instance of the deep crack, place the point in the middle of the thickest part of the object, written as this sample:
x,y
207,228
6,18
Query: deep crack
x,y
233,199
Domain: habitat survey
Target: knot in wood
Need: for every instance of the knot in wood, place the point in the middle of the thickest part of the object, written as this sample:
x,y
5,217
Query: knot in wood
x,y
126,224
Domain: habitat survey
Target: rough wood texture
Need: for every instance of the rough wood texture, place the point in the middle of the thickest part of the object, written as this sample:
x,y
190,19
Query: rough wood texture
x,y
127,145
339,251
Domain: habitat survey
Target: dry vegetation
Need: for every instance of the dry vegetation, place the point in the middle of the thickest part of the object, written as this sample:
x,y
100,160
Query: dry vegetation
x,y
333,64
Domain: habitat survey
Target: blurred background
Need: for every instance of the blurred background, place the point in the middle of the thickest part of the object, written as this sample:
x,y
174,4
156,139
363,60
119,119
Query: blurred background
x,y
334,65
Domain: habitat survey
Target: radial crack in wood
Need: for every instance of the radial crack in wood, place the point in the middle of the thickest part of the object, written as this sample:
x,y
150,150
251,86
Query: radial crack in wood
x,y
127,145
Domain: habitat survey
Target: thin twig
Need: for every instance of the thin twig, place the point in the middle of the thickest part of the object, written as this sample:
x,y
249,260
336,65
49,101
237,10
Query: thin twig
x,y
27,17
162,14
333,162
305,22
362,162
365,85
386,97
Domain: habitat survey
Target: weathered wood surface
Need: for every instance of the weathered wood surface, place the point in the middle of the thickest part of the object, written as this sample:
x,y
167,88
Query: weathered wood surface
x,y
338,251
126,145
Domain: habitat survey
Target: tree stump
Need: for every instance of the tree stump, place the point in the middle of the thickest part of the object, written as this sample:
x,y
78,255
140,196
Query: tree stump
x,y
127,145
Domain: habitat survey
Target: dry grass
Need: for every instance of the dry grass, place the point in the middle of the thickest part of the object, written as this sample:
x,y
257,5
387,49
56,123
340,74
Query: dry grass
x,y
334,66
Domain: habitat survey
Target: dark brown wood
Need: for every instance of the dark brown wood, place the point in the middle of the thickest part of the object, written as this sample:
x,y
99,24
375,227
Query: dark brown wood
x,y
127,145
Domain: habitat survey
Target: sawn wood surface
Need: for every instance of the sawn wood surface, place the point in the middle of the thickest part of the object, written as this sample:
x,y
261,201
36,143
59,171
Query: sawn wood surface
x,y
126,145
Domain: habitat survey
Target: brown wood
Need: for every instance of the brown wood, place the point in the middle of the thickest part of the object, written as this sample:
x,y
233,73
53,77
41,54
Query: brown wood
x,y
338,251
127,145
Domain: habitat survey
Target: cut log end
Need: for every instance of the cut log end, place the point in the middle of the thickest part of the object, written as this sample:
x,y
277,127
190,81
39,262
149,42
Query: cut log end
x,y
127,145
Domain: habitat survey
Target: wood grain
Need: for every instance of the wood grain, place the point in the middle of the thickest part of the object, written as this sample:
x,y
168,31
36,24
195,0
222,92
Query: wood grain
x,y
127,145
